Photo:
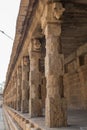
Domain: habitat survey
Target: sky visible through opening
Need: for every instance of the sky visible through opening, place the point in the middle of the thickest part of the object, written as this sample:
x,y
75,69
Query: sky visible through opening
x,y
8,15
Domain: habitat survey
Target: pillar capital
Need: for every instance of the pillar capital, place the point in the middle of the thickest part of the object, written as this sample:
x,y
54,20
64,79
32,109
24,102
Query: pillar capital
x,y
52,13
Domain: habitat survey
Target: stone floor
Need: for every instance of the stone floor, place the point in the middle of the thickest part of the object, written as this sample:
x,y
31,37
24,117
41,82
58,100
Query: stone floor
x,y
77,120
2,123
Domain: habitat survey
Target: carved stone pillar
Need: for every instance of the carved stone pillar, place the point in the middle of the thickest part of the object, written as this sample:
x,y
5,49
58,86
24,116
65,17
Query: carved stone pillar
x,y
35,102
25,84
54,66
43,79
10,91
14,92
19,91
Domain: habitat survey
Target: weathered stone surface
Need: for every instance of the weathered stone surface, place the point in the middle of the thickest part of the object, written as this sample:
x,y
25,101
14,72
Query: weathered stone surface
x,y
75,79
63,30
34,81
56,112
28,127
19,89
53,71
25,84
35,107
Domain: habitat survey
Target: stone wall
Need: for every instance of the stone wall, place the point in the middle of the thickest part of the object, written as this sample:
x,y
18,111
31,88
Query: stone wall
x,y
75,79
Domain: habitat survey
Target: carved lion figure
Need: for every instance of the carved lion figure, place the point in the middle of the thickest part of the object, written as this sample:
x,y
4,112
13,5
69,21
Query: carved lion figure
x,y
58,10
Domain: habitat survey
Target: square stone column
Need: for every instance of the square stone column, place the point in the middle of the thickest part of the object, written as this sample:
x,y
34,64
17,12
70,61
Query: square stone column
x,y
35,103
54,66
15,90
19,90
25,85
12,94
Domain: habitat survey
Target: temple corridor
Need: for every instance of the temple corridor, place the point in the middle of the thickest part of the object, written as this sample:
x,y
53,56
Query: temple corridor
x,y
46,81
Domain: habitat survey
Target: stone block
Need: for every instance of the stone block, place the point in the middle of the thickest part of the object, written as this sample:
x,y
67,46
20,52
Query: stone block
x,y
24,124
56,112
28,127
35,107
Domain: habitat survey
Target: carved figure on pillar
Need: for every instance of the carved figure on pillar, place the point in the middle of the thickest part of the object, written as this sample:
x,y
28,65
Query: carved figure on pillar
x,y
36,45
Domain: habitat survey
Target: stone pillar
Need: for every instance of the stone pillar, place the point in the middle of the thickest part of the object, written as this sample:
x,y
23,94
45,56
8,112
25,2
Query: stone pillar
x,y
12,94
15,90
43,79
25,85
19,93
54,66
35,102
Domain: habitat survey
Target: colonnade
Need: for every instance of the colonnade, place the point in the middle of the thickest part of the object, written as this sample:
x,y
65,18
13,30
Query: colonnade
x,y
36,87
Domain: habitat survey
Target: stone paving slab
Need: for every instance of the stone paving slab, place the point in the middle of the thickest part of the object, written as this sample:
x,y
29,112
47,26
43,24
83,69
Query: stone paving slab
x,y
77,120
83,128
2,125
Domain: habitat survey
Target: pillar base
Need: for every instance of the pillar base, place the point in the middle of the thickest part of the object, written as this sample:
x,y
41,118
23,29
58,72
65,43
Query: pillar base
x,y
19,106
35,109
15,105
25,106
56,112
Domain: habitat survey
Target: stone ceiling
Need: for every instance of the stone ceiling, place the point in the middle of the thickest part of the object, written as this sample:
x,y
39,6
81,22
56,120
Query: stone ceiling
x,y
74,27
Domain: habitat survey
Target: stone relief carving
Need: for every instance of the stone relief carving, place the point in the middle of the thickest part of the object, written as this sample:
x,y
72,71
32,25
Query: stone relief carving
x,y
51,13
36,45
58,10
25,60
